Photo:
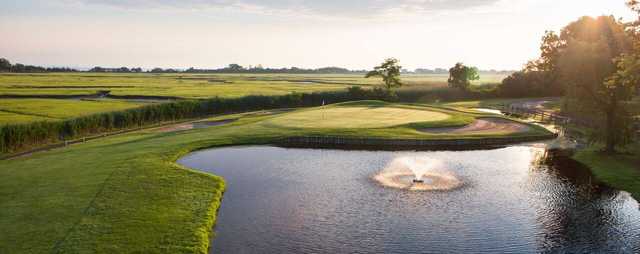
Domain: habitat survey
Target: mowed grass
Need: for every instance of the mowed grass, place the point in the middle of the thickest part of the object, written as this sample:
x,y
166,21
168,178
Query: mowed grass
x,y
357,117
621,171
125,194
29,110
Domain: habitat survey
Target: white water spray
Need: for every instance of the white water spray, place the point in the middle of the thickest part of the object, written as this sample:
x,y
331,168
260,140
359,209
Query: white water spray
x,y
418,174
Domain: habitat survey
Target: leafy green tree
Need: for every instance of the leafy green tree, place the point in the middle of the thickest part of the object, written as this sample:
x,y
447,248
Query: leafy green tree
x,y
235,68
5,65
598,72
549,53
389,70
460,76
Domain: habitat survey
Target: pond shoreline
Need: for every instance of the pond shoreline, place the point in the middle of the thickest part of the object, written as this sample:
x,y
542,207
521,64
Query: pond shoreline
x,y
406,144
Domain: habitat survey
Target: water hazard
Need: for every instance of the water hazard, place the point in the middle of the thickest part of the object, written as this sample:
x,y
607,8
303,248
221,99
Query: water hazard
x,y
332,201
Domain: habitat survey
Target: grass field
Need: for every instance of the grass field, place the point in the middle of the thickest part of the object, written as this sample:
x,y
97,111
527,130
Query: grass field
x,y
197,85
125,193
28,110
186,86
621,171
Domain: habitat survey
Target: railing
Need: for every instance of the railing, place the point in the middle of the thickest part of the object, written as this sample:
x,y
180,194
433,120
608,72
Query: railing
x,y
555,118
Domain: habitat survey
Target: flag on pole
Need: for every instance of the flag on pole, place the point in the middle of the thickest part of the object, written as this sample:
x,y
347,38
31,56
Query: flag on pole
x,y
322,102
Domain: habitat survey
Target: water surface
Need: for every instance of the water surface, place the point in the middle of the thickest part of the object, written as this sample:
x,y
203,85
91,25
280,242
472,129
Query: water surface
x,y
325,201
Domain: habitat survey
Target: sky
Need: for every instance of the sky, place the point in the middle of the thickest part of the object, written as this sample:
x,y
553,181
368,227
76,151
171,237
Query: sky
x,y
356,34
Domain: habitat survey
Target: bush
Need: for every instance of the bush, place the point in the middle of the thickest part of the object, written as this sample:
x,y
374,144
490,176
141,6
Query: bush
x,y
530,84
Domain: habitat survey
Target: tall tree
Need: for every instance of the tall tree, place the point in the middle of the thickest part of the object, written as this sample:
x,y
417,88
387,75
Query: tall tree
x,y
589,63
5,65
460,76
389,70
549,52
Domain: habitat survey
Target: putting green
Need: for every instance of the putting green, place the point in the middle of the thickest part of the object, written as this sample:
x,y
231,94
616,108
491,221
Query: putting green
x,y
356,117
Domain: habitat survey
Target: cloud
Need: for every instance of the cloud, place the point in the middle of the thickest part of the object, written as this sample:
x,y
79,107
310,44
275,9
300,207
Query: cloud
x,y
331,8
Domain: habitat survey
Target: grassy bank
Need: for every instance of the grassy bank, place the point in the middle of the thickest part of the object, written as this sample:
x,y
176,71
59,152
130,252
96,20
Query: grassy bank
x,y
621,171
125,193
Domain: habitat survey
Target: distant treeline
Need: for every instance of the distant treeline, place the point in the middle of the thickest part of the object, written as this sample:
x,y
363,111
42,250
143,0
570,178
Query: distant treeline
x,y
16,137
446,71
234,68
6,66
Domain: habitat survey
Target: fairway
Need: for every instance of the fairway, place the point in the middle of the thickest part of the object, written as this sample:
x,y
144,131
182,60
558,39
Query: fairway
x,y
357,117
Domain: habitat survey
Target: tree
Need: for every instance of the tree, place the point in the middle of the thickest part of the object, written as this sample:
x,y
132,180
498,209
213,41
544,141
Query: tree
x,y
5,65
525,84
549,52
460,76
592,63
235,68
389,70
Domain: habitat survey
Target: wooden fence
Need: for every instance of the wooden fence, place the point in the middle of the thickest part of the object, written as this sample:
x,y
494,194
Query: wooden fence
x,y
556,118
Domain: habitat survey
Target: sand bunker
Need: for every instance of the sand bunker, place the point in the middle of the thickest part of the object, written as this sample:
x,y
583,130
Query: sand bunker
x,y
482,126
194,125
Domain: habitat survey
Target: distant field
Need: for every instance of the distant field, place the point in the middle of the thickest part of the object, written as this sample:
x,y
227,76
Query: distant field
x,y
30,110
196,85
182,86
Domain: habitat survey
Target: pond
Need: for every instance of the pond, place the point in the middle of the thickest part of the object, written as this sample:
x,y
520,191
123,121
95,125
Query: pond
x,y
513,199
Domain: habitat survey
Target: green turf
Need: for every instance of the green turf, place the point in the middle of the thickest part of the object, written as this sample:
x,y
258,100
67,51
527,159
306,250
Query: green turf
x,y
57,109
621,171
125,193
12,117
357,117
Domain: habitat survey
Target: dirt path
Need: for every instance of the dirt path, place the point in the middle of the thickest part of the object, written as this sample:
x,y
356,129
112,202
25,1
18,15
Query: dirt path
x,y
194,125
482,126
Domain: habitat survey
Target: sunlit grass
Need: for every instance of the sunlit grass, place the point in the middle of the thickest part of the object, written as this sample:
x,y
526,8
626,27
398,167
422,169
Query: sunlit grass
x,y
125,193
27,110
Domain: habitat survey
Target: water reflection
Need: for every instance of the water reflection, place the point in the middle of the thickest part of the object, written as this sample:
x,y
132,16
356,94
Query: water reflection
x,y
514,199
581,215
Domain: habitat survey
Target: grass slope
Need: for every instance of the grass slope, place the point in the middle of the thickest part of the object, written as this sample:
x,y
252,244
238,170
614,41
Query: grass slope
x,y
125,193
621,171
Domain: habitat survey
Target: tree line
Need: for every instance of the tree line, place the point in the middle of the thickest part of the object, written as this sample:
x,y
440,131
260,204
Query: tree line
x,y
594,63
6,66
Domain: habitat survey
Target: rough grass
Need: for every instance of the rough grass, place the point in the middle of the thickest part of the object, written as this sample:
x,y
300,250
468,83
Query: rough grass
x,y
188,86
198,85
11,117
621,171
125,194
57,109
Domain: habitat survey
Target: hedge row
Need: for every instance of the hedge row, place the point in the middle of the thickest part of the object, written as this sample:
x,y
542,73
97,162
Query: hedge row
x,y
20,136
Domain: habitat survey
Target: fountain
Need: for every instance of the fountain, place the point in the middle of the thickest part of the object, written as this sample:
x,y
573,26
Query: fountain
x,y
417,174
